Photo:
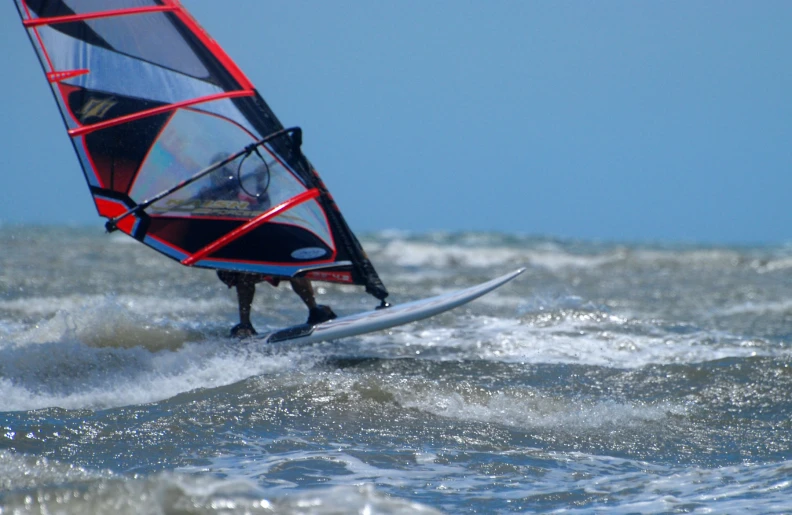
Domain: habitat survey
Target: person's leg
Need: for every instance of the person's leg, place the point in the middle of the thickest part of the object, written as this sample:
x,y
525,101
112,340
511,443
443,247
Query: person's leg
x,y
304,289
317,313
246,290
245,285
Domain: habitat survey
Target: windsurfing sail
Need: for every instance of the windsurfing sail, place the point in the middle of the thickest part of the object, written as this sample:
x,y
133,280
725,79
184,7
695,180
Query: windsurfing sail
x,y
179,149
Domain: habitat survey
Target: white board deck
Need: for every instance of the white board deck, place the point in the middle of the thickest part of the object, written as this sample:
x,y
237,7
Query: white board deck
x,y
380,319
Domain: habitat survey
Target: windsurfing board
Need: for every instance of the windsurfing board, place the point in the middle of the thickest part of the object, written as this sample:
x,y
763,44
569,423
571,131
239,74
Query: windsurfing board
x,y
385,318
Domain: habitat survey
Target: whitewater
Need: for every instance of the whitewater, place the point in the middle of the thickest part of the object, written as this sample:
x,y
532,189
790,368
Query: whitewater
x,y
609,377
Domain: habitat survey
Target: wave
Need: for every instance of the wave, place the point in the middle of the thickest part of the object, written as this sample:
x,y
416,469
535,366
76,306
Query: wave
x,y
46,486
72,375
122,361
568,336
489,250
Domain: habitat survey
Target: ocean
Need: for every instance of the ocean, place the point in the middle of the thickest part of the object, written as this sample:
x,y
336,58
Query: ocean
x,y
607,378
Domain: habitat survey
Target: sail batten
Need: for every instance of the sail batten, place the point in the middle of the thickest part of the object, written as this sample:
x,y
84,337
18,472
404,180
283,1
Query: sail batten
x,y
179,149
157,110
241,231
36,22
64,75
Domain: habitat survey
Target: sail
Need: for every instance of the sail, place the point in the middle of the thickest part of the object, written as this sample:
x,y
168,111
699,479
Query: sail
x,y
179,149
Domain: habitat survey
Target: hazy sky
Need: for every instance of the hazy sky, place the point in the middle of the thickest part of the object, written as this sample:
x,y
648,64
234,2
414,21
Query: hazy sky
x,y
609,120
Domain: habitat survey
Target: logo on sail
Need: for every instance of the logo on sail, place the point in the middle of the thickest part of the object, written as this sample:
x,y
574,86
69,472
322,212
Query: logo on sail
x,y
96,108
308,253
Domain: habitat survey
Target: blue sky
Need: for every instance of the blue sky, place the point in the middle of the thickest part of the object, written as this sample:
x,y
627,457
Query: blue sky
x,y
623,121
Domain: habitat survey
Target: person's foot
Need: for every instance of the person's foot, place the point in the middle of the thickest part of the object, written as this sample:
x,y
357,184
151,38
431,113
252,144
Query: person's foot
x,y
243,331
320,314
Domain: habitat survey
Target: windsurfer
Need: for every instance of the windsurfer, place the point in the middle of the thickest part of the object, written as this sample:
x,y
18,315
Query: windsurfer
x,y
245,284
225,186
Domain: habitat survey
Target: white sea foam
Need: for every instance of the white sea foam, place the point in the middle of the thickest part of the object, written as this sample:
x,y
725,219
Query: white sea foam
x,y
113,352
60,488
420,254
523,408
114,320
19,472
756,308
579,482
557,260
773,265
262,463
549,256
528,411
138,304
639,487
563,337
576,342
694,256
72,375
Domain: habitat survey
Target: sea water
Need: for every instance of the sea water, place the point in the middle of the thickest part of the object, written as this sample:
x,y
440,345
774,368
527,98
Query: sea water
x,y
612,378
